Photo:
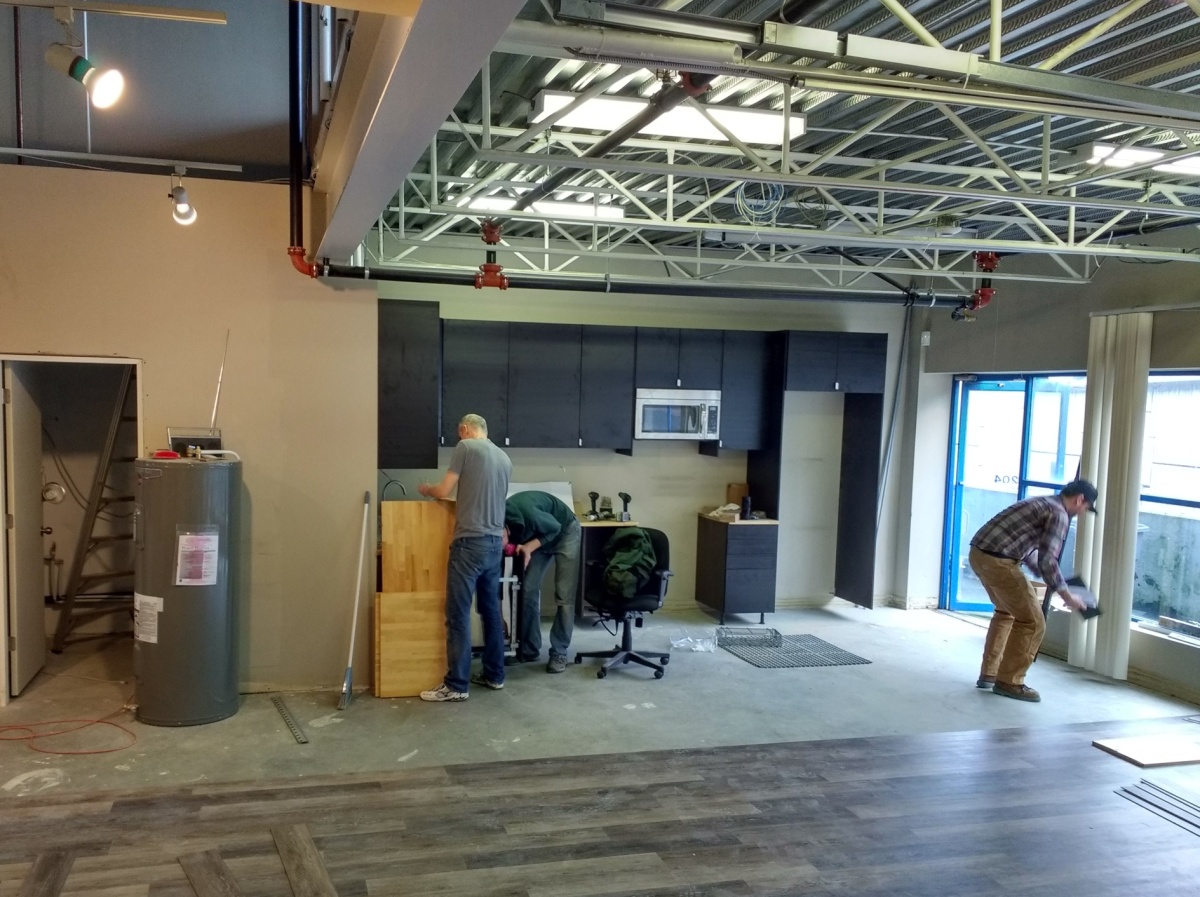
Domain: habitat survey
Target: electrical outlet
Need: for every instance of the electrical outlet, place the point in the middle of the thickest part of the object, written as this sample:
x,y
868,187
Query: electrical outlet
x,y
924,339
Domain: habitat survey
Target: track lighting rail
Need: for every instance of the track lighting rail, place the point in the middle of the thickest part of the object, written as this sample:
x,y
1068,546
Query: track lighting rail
x,y
197,16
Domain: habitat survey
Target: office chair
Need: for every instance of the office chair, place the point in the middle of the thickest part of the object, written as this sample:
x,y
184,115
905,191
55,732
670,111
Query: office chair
x,y
628,611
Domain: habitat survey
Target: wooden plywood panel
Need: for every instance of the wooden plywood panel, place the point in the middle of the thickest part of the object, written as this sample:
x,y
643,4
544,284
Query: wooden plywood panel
x,y
410,642
416,544
1152,750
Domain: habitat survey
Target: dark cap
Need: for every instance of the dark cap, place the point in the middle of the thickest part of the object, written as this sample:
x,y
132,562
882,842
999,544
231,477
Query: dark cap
x,y
1084,488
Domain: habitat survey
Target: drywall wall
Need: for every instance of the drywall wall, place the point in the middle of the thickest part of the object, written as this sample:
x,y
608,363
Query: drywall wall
x,y
709,479
92,264
1034,327
668,483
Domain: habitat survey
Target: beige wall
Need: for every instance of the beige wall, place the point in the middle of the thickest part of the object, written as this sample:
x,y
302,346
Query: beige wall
x,y
668,495
1031,327
92,264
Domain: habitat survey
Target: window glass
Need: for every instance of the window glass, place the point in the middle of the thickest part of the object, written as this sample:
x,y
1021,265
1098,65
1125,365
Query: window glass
x,y
1055,428
1166,584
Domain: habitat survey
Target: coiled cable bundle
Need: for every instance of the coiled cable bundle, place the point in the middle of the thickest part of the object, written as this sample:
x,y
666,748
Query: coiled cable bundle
x,y
761,208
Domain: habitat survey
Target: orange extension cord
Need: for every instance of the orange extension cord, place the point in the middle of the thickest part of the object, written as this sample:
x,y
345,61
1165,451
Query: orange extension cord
x,y
32,734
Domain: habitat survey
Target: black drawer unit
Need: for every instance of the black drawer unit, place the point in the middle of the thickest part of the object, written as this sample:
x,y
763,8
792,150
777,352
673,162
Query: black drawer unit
x,y
735,566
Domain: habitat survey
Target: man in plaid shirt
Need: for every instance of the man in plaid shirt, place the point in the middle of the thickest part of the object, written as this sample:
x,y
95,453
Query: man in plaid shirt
x,y
1030,532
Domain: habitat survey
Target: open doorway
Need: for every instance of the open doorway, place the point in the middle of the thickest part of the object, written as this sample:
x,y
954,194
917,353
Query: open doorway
x,y
71,428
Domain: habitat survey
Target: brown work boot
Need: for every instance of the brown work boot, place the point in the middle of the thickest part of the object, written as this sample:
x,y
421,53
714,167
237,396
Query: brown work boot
x,y
1020,692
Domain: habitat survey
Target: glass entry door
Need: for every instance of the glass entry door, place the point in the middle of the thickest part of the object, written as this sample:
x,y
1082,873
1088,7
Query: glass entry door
x,y
985,476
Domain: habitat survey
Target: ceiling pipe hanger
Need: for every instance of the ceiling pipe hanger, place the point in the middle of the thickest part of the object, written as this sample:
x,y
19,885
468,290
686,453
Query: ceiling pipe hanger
x,y
197,16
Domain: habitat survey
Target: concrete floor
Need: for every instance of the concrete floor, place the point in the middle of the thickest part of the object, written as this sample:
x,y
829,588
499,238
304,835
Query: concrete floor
x,y
920,680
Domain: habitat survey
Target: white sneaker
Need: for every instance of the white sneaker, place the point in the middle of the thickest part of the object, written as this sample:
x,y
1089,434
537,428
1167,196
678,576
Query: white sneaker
x,y
443,693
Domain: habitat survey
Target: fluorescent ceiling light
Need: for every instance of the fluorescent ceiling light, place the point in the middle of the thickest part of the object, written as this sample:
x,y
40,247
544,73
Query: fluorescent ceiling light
x,y
555,209
603,113
1125,157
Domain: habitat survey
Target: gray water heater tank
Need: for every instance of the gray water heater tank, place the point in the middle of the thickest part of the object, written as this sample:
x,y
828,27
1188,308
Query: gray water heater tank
x,y
184,580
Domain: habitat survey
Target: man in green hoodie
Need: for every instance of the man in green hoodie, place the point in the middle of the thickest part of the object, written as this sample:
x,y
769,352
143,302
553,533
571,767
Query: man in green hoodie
x,y
541,528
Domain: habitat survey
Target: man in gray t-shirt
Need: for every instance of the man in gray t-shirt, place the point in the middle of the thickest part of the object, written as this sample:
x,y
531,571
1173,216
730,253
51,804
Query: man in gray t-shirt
x,y
481,473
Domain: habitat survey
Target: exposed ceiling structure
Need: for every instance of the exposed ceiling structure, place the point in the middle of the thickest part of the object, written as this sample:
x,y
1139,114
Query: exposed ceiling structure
x,y
908,135
920,133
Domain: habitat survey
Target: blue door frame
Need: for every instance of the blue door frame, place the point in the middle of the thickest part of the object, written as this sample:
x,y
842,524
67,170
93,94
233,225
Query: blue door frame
x,y
952,537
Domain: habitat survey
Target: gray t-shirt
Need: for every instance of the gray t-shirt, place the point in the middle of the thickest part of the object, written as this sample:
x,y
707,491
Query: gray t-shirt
x,y
483,474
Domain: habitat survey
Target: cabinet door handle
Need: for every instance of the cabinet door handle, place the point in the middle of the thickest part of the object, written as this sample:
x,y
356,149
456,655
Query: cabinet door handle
x,y
836,385
442,439
581,442
506,440
679,382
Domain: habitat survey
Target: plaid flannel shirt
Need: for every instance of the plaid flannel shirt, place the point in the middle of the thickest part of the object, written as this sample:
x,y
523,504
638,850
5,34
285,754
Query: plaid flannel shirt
x,y
1032,531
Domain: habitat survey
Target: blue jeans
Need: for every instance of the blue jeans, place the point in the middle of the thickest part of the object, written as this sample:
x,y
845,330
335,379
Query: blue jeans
x,y
566,583
474,568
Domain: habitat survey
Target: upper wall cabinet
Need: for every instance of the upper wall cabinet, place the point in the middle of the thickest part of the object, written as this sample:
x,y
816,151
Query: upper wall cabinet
x,y
410,363
475,377
670,358
606,387
744,389
543,385
826,361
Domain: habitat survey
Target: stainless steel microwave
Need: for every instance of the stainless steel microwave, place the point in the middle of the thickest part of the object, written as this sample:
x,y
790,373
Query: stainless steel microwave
x,y
677,414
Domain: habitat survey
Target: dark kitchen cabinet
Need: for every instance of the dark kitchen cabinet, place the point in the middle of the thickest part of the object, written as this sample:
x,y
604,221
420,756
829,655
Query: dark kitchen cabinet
x,y
606,387
543,385
475,377
409,390
700,359
735,566
836,362
745,375
671,358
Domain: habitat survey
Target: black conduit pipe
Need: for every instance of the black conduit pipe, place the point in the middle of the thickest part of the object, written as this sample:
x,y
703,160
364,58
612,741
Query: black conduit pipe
x,y
629,287
18,105
298,15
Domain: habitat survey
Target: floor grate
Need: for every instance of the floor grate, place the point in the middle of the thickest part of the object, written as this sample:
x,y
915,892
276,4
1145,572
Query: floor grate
x,y
746,637
796,651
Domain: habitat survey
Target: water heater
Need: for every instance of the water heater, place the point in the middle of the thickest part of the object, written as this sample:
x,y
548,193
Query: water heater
x,y
185,590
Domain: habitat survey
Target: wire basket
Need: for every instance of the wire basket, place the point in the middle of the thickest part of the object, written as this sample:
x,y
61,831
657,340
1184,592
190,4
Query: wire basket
x,y
745,637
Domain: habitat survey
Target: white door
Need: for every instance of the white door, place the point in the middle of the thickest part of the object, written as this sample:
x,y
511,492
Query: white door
x,y
23,542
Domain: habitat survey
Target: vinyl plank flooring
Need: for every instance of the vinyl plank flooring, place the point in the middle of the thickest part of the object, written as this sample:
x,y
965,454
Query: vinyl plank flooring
x,y
208,875
302,862
1000,813
47,874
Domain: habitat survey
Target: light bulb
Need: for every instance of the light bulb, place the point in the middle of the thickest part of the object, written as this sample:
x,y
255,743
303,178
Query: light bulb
x,y
104,86
184,212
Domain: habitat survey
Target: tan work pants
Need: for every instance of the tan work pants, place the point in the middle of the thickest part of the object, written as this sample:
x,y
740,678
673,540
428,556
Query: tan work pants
x,y
1017,626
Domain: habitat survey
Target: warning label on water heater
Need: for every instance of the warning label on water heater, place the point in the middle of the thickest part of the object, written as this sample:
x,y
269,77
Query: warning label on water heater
x,y
196,559
146,609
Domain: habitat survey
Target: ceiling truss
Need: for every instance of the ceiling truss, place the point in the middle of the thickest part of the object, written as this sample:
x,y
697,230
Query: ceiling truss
x,y
899,174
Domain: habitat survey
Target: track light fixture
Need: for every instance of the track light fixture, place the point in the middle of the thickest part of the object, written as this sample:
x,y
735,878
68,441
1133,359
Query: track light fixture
x,y
104,86
182,209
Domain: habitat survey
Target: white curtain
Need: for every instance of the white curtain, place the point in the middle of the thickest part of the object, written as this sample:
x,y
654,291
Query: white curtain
x,y
1113,430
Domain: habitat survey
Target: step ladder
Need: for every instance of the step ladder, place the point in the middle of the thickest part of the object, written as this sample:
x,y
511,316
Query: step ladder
x,y
79,602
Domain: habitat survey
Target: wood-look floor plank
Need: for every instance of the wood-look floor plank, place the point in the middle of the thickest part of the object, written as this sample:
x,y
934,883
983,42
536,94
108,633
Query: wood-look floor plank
x,y
302,862
47,875
1000,813
208,874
